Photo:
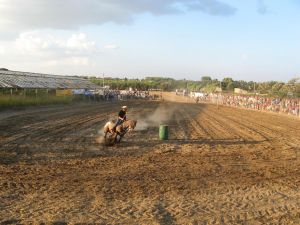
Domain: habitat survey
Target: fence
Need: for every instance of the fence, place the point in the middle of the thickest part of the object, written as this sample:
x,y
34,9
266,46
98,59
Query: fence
x,y
25,97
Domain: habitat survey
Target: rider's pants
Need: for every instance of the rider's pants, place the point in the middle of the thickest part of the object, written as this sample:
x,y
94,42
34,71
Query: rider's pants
x,y
119,122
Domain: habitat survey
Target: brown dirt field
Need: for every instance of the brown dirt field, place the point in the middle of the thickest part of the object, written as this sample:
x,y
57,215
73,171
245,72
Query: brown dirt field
x,y
221,166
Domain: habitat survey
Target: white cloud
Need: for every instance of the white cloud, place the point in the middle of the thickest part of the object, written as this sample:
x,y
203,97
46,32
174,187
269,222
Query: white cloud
x,y
111,46
213,7
2,50
23,15
72,61
80,42
45,49
37,43
245,56
31,43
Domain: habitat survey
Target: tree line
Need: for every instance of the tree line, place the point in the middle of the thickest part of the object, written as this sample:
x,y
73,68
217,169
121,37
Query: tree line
x,y
205,84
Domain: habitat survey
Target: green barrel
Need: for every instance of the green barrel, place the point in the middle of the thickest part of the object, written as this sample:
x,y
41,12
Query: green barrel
x,y
163,132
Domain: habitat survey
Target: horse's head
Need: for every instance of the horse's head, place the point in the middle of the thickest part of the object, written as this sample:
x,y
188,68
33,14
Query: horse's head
x,y
131,124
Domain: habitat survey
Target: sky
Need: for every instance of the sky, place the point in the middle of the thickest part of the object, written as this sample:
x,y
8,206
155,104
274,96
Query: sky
x,y
255,40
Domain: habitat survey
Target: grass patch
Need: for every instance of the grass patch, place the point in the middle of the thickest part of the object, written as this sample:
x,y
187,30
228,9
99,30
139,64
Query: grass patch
x,y
12,101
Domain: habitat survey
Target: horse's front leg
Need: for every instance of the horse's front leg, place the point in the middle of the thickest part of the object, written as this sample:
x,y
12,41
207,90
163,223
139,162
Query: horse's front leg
x,y
120,139
115,137
121,136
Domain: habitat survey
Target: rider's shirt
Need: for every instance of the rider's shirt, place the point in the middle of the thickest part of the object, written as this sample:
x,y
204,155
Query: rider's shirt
x,y
122,114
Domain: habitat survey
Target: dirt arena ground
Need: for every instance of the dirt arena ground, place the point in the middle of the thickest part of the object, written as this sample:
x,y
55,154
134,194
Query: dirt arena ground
x,y
221,166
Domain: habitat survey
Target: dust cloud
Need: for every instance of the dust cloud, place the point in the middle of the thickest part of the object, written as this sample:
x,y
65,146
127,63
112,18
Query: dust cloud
x,y
100,135
161,115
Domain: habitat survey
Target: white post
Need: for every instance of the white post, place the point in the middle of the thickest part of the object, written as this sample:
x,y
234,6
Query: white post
x,y
103,80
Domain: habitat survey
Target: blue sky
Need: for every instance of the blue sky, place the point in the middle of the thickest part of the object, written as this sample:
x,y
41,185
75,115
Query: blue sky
x,y
246,40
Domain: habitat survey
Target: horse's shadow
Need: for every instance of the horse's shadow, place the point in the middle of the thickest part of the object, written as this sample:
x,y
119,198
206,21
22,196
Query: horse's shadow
x,y
230,141
139,147
212,142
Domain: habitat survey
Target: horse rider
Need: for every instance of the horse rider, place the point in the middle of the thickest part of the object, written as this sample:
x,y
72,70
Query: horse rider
x,y
121,117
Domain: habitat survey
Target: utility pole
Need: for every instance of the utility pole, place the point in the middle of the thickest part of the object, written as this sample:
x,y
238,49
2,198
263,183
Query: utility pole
x,y
219,95
186,91
103,80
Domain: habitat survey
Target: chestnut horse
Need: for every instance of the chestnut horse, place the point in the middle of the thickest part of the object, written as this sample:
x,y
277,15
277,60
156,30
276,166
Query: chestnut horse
x,y
121,130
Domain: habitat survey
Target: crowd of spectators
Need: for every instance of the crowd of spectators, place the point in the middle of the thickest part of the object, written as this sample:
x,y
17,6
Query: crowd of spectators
x,y
288,105
111,95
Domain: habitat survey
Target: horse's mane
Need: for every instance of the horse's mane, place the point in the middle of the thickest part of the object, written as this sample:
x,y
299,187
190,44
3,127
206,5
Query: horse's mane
x,y
126,125
131,123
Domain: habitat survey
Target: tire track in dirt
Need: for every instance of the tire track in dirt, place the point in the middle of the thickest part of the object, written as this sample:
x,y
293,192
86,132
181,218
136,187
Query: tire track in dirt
x,y
60,126
218,130
237,130
203,175
262,125
75,135
276,139
192,126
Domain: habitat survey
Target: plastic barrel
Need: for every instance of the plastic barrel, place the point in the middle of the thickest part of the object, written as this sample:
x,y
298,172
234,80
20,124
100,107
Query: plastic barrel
x,y
163,132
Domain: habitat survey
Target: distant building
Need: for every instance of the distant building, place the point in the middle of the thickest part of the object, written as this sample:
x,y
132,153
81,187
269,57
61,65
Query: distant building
x,y
240,91
26,80
218,89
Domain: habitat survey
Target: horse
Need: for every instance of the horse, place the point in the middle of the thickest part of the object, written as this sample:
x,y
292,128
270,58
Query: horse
x,y
121,130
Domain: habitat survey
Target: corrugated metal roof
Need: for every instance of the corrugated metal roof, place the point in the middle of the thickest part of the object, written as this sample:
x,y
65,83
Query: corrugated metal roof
x,y
10,79
4,85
